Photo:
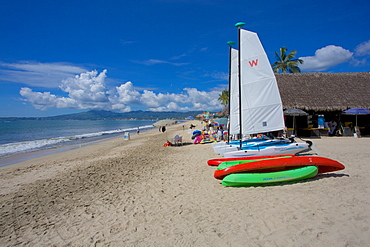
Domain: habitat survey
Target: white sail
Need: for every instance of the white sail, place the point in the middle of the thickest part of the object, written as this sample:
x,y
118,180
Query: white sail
x,y
261,108
234,94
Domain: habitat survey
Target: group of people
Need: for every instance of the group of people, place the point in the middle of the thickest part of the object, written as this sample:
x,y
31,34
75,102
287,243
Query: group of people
x,y
334,130
209,127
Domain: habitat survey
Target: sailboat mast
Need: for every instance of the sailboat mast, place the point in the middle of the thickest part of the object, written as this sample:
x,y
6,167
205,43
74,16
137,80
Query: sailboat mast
x,y
239,25
230,43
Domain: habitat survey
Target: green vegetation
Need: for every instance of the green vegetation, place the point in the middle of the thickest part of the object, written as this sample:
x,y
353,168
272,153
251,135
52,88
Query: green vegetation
x,y
286,62
224,97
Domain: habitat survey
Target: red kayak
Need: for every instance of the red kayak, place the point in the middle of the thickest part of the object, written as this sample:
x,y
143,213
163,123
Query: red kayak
x,y
216,162
282,164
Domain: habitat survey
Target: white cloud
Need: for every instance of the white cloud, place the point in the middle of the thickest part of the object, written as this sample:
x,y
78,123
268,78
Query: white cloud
x,y
363,49
218,75
43,101
127,42
326,58
34,74
152,100
157,61
89,91
87,87
126,94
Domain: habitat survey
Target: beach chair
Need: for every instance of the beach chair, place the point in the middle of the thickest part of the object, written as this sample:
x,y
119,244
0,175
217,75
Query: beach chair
x,y
180,140
177,140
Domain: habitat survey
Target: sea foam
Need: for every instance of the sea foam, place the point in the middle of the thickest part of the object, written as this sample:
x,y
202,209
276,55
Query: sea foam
x,y
29,146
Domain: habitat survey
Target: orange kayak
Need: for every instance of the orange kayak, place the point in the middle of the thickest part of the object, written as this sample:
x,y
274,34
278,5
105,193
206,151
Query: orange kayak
x,y
216,162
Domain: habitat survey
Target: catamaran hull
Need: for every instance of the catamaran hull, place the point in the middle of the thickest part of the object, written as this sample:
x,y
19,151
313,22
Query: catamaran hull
x,y
293,148
219,147
231,148
236,142
226,149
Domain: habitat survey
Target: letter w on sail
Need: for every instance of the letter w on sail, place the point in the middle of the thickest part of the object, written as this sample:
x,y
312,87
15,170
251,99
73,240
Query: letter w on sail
x,y
253,63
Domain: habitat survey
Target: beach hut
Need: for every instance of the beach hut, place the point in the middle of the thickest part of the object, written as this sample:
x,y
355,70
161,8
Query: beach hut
x,y
324,92
327,94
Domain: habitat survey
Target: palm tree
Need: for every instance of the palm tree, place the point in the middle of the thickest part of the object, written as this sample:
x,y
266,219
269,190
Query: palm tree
x,y
286,63
224,97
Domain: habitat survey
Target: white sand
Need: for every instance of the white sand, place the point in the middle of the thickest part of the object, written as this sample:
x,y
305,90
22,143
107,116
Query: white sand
x,y
139,193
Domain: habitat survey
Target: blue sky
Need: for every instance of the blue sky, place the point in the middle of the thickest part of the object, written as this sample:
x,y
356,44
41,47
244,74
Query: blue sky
x,y
59,57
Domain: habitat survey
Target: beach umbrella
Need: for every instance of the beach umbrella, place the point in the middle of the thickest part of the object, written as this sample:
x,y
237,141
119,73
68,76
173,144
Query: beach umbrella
x,y
295,113
190,118
356,111
164,122
221,121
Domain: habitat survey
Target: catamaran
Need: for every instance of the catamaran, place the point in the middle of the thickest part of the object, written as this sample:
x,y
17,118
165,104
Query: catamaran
x,y
234,126
259,109
252,145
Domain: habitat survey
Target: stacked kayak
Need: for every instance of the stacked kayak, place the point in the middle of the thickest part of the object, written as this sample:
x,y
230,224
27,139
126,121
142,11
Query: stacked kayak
x,y
271,169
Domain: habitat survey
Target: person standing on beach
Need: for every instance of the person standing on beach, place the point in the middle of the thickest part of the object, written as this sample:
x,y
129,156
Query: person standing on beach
x,y
332,127
138,130
220,133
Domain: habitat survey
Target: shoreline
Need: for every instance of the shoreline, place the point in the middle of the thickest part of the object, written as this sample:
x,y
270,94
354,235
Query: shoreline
x,y
139,193
23,156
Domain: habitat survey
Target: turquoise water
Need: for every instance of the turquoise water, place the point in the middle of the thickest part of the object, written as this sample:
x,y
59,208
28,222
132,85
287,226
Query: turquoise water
x,y
22,136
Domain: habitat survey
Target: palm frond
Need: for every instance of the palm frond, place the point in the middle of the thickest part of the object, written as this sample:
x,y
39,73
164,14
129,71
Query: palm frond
x,y
286,62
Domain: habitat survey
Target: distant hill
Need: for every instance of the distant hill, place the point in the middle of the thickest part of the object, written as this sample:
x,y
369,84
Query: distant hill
x,y
106,115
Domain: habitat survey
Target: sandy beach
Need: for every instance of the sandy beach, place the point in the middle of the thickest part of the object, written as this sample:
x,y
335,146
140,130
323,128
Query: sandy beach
x,y
139,193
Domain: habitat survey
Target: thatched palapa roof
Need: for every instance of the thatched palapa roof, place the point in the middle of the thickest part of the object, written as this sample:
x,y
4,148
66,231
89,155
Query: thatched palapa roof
x,y
324,91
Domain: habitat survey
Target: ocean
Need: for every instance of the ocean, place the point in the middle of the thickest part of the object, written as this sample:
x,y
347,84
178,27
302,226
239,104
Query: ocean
x,y
24,136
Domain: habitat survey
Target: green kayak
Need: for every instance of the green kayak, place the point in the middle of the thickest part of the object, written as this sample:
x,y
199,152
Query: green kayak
x,y
248,179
